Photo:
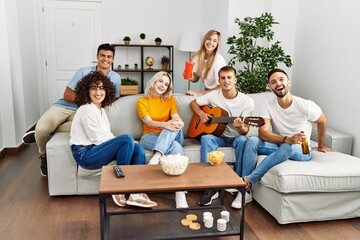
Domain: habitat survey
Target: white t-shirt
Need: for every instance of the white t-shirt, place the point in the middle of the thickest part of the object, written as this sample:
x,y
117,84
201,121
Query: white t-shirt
x,y
212,79
241,105
90,126
296,118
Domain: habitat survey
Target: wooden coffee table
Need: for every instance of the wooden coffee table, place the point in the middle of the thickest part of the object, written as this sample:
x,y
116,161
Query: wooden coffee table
x,y
151,179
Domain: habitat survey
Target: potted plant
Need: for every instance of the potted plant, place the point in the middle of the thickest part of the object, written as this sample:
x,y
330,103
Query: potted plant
x,y
256,59
142,37
127,40
165,61
129,86
158,41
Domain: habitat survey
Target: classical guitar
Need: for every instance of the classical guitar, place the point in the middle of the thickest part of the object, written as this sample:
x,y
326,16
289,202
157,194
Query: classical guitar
x,y
217,123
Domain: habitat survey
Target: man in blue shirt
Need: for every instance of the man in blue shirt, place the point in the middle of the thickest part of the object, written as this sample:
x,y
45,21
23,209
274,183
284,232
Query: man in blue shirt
x,y
63,110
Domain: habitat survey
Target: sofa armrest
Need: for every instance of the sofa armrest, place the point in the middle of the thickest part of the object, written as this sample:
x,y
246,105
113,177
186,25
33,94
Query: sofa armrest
x,y
334,139
62,168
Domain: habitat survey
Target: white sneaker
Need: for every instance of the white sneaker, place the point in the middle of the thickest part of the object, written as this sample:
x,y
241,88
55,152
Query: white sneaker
x,y
140,200
237,202
180,199
154,160
233,191
119,199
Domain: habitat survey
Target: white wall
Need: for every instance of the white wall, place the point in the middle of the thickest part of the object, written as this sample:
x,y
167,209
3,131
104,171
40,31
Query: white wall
x,y
155,18
19,98
321,36
327,61
6,101
214,17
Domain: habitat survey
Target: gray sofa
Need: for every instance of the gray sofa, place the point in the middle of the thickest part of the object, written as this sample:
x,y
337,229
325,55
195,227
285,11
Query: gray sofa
x,y
327,187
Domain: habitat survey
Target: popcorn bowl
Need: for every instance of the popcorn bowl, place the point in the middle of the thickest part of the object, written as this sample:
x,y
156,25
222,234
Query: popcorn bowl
x,y
174,165
215,157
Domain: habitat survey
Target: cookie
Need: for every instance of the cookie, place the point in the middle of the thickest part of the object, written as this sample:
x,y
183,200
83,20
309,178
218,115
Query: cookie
x,y
191,217
186,222
195,226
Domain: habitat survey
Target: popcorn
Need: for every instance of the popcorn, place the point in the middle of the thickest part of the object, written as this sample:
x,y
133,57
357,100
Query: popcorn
x,y
174,164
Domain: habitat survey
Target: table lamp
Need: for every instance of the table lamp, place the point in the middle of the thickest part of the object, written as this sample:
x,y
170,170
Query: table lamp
x,y
189,42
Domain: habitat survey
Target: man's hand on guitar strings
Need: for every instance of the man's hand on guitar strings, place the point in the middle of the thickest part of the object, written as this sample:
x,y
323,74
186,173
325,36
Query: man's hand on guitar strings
x,y
204,117
238,123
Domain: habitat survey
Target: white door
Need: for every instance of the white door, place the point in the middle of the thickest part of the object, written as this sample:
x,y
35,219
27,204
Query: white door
x,y
72,33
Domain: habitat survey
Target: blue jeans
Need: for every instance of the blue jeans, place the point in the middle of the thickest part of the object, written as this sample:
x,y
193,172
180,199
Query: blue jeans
x,y
167,142
277,153
211,142
122,148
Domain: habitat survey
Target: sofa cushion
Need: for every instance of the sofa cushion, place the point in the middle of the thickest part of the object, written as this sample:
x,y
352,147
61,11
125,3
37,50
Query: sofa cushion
x,y
123,117
325,172
90,173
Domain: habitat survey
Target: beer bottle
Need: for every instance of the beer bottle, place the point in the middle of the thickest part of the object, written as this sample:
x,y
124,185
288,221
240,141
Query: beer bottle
x,y
304,145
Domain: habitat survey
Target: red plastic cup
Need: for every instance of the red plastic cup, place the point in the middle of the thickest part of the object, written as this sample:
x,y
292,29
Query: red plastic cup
x,y
189,66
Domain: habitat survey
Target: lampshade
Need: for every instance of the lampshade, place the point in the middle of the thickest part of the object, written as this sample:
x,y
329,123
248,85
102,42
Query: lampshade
x,y
189,42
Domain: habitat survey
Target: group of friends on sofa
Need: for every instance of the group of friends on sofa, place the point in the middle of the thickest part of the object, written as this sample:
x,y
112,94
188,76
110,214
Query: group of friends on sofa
x,y
287,121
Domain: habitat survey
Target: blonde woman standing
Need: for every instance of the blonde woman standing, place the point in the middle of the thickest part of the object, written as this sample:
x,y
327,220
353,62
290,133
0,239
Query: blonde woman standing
x,y
208,62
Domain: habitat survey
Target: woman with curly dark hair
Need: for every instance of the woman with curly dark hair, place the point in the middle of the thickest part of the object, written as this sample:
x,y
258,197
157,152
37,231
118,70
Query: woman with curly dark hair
x,y
92,80
92,142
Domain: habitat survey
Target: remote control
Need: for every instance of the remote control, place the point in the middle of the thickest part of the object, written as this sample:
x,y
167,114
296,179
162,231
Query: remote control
x,y
118,172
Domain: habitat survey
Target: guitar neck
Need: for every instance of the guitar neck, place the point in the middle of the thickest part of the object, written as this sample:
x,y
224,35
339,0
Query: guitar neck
x,y
222,119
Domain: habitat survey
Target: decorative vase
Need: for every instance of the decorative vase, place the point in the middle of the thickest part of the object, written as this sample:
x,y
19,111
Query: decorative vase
x,y
165,66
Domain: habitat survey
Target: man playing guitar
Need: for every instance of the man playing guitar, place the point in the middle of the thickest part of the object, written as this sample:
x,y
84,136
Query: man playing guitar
x,y
236,104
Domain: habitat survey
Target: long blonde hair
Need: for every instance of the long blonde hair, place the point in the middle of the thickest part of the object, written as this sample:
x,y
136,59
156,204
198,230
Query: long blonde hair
x,y
204,66
150,85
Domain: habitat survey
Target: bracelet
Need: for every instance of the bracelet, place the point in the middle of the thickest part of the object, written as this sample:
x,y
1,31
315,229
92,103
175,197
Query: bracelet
x,y
284,139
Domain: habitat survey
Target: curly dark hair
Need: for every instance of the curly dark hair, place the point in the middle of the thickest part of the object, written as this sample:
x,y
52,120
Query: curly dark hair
x,y
94,78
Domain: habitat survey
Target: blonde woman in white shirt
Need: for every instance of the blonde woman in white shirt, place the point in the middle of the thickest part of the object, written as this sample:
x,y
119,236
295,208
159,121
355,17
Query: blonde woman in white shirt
x,y
208,62
92,143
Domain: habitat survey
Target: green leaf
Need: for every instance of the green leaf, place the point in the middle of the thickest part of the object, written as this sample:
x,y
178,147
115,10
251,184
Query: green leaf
x,y
256,60
128,81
